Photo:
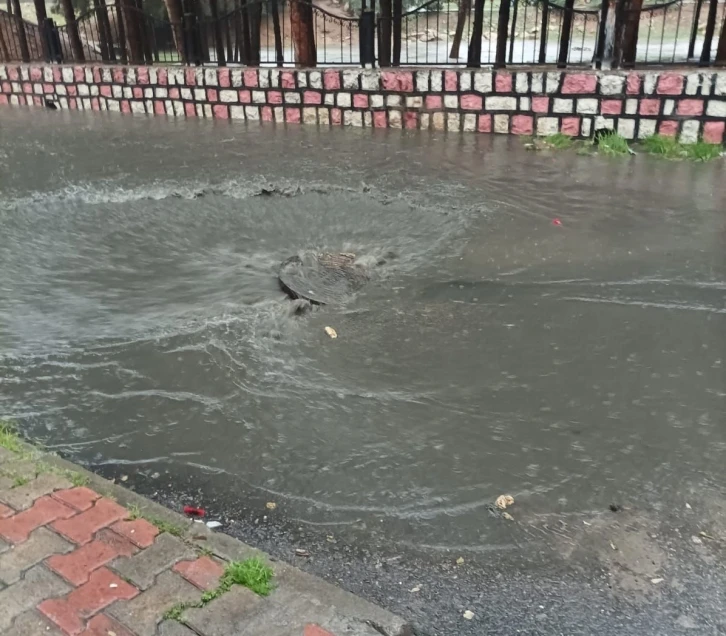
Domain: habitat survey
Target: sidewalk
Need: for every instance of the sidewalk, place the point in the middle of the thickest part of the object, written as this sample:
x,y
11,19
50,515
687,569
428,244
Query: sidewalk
x,y
80,555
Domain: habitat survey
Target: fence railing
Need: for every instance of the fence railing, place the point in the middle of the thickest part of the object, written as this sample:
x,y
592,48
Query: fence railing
x,y
618,33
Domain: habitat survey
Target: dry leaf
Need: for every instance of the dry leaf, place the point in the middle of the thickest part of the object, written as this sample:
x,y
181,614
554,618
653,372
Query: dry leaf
x,y
507,516
460,561
416,589
302,552
656,581
270,505
504,501
469,615
331,332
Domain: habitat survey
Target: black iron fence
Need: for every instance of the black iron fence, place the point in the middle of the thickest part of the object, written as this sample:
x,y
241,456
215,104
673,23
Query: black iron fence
x,y
618,33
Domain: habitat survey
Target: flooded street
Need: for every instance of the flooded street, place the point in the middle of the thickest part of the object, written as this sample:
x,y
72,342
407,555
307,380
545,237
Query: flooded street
x,y
573,365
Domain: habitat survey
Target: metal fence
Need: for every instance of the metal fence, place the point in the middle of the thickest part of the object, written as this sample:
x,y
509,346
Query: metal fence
x,y
620,33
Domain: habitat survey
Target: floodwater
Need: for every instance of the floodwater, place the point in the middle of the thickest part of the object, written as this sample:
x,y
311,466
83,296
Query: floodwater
x,y
142,330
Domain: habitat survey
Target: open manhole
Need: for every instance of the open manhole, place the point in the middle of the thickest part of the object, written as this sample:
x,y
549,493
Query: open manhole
x,y
322,278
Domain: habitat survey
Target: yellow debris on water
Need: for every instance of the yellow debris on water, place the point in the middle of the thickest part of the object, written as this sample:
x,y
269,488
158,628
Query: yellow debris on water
x,y
504,501
331,332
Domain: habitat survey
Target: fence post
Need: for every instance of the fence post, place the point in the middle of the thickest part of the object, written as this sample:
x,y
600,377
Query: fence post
x,y
279,57
51,41
721,50
385,18
397,29
544,32
512,31
694,30
366,36
602,35
72,29
565,34
502,31
218,43
302,25
22,35
708,35
41,16
474,57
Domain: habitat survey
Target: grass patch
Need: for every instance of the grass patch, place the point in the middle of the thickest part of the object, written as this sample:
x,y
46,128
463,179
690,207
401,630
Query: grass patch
x,y
612,144
559,141
163,526
9,439
669,148
252,573
20,481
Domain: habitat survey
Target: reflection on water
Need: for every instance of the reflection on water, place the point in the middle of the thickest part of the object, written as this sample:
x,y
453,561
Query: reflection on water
x,y
141,322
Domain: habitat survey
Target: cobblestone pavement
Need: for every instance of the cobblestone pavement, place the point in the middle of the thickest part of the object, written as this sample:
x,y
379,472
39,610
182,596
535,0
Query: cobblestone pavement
x,y
73,560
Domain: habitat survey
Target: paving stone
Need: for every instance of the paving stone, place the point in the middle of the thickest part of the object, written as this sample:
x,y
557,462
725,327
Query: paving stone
x,y
316,630
6,511
17,528
81,528
80,498
227,615
143,568
102,625
22,468
41,544
102,589
203,572
139,531
5,481
143,613
174,628
32,624
22,497
39,583
6,455
76,567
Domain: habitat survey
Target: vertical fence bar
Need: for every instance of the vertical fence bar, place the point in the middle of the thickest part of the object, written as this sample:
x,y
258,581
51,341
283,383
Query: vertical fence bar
x,y
513,30
565,34
385,19
544,32
708,35
694,30
367,36
72,30
22,35
397,30
42,15
500,58
279,57
477,31
189,23
218,42
602,35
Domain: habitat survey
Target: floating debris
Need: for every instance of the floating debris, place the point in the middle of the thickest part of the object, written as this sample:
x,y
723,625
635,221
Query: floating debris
x,y
615,507
468,615
460,561
331,332
507,516
270,505
656,581
193,511
301,552
504,501
213,524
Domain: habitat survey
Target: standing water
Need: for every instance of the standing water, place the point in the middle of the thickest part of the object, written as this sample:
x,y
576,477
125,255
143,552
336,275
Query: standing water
x,y
143,330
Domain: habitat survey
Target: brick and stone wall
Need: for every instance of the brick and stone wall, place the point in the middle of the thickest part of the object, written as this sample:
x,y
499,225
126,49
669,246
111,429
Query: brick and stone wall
x,y
691,105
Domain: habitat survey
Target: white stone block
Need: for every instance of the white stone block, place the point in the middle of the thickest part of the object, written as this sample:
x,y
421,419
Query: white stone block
x,y
329,99
24,74
67,75
414,101
537,83
500,103
350,80
323,117
483,81
437,81
207,111
258,97
649,83
604,122
162,92
278,113
235,78
199,109
646,128
291,97
264,78
117,91
716,108
669,106
394,118
422,81
451,101
149,92
38,89
201,95
89,76
521,83
425,121
689,131
274,78
83,90
353,118
370,80
237,112
131,76
178,108
469,123
186,93
310,116
501,124
149,104
228,97
210,77
612,84
393,101
302,80
61,89
106,75
631,106
114,106
720,83
548,125
553,82
453,122
464,81
586,126
94,90
368,119
316,79
48,74
561,105
344,100
587,106
626,128
153,76
138,107
3,72
376,101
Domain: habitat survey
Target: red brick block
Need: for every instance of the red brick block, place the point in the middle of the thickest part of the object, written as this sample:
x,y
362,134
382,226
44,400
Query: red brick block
x,y
102,625
540,104
692,107
503,83
331,80
139,531
274,97
434,102
5,511
471,102
287,79
670,84
81,498
316,630
570,126
411,120
102,589
46,509
220,111
668,128
713,132
312,97
223,75
203,572
292,115
81,528
76,567
485,124
379,119
649,106
451,81
579,83
522,125
250,79
633,84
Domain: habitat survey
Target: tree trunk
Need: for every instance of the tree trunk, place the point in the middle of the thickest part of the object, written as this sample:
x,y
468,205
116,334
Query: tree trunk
x,y
279,57
4,53
627,23
174,11
303,33
72,29
41,15
464,11
104,31
22,35
131,28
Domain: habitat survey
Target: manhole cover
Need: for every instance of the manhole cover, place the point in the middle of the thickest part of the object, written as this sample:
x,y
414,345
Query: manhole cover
x,y
321,277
